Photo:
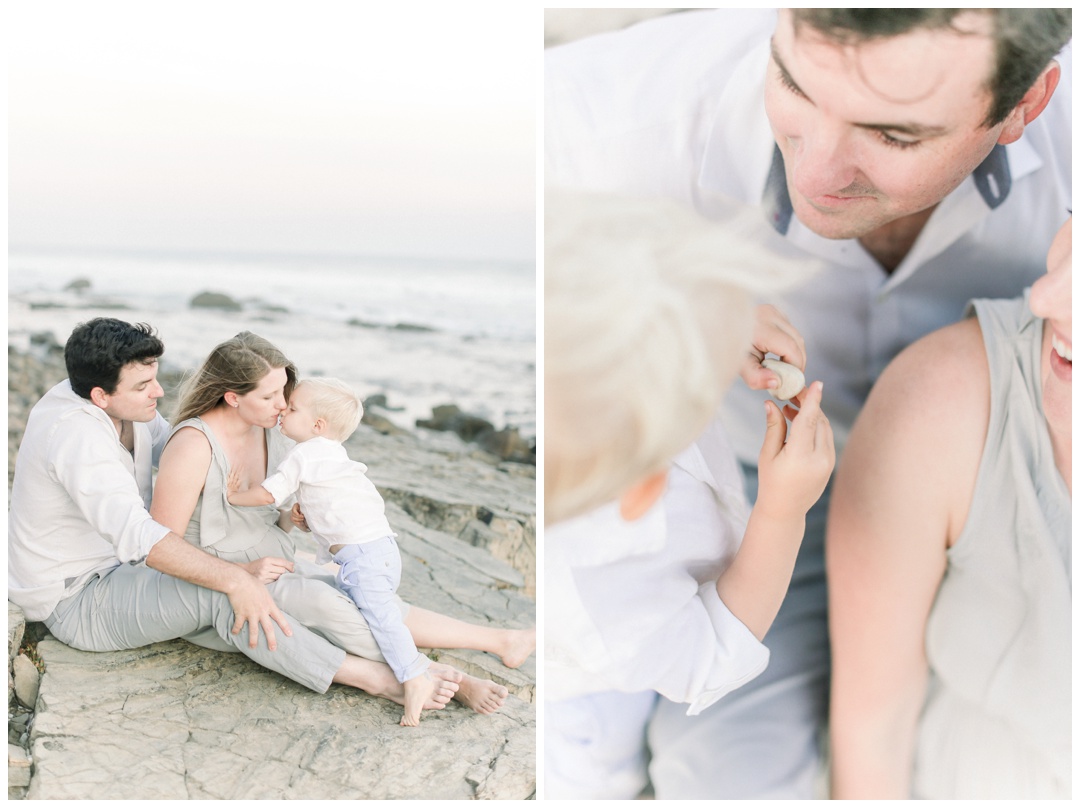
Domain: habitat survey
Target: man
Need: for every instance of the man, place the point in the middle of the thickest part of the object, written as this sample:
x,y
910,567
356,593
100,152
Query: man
x,y
79,525
924,155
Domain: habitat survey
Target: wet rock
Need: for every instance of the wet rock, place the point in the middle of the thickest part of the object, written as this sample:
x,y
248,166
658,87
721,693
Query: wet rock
x,y
46,341
382,424
507,444
78,285
412,327
379,400
450,418
214,300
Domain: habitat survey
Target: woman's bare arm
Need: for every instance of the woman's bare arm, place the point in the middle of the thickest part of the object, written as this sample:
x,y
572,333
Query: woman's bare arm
x,y
900,498
185,461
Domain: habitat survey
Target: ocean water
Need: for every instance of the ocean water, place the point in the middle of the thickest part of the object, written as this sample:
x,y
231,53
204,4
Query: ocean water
x,y
423,332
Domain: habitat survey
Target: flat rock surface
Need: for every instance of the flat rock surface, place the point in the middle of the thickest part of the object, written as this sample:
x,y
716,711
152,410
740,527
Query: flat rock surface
x,y
173,721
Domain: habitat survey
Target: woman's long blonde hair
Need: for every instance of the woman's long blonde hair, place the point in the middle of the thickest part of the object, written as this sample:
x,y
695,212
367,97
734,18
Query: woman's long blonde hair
x,y
236,365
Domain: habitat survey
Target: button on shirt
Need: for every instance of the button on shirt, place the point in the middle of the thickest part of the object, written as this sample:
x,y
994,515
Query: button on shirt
x,y
80,500
675,107
341,505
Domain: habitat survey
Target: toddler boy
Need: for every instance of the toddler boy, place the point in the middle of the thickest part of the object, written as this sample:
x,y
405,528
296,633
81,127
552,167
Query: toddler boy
x,y
347,517
658,577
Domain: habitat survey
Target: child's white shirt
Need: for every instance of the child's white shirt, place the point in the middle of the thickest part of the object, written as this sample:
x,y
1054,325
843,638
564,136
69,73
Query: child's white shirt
x,y
632,606
341,505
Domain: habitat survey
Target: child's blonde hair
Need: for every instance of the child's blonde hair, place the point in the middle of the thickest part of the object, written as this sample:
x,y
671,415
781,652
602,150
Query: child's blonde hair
x,y
336,403
647,318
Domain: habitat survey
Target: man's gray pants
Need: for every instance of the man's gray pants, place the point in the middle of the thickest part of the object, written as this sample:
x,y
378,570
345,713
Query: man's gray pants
x,y
761,741
132,605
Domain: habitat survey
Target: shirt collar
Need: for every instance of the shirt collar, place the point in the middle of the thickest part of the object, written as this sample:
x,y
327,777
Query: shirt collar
x,y
992,179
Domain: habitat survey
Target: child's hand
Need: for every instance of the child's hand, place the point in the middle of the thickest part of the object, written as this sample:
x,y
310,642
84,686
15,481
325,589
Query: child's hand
x,y
773,333
232,484
792,475
298,518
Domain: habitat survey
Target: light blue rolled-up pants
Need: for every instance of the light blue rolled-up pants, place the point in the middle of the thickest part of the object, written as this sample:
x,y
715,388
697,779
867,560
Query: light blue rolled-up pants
x,y
133,605
370,574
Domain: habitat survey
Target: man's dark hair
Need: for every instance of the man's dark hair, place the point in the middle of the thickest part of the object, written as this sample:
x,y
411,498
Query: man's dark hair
x,y
1025,39
98,350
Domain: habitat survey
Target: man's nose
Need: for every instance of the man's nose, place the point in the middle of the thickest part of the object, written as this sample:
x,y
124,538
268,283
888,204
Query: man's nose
x,y
823,161
157,391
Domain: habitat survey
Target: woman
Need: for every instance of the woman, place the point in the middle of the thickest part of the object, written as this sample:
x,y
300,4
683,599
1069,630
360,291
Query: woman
x,y
226,419
949,557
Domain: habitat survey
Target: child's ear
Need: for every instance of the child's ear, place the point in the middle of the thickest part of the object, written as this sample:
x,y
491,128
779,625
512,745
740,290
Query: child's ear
x,y
642,495
320,425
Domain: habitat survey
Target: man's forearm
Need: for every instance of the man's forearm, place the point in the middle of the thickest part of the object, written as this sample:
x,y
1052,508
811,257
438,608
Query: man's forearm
x,y
176,557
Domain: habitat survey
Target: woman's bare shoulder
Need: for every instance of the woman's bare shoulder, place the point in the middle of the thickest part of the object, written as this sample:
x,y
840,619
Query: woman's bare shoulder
x,y
924,425
187,443
946,369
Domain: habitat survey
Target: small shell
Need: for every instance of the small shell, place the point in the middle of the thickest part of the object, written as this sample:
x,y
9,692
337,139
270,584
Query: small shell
x,y
792,380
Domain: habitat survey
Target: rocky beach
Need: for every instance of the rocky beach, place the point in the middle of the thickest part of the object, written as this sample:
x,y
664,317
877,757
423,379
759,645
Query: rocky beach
x,y
174,721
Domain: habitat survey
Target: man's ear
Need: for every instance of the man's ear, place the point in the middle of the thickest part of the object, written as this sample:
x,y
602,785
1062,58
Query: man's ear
x,y
99,398
1031,105
642,495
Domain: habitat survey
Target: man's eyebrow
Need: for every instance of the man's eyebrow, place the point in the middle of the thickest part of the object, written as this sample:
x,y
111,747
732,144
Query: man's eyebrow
x,y
912,129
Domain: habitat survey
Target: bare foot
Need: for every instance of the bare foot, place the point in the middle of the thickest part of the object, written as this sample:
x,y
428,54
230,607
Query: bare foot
x,y
482,695
446,681
519,645
418,691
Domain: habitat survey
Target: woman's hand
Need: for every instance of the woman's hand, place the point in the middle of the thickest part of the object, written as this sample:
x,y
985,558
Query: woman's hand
x,y
773,334
269,569
793,473
298,518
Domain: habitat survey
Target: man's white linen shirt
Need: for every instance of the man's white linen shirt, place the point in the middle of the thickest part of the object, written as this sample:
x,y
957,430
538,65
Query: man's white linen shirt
x,y
80,500
341,505
632,606
675,107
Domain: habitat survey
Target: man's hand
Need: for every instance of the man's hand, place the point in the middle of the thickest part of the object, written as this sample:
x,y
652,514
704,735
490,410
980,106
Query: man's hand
x,y
250,601
269,569
773,334
253,605
298,518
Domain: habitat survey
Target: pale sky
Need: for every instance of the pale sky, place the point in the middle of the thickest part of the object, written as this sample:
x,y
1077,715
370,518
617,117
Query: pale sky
x,y
325,126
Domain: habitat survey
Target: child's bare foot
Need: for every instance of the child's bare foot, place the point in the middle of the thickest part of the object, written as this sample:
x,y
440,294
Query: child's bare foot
x,y
418,691
446,681
518,646
482,695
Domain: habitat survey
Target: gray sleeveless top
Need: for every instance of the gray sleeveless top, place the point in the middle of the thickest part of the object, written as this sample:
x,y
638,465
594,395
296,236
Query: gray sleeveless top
x,y
229,532
998,711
